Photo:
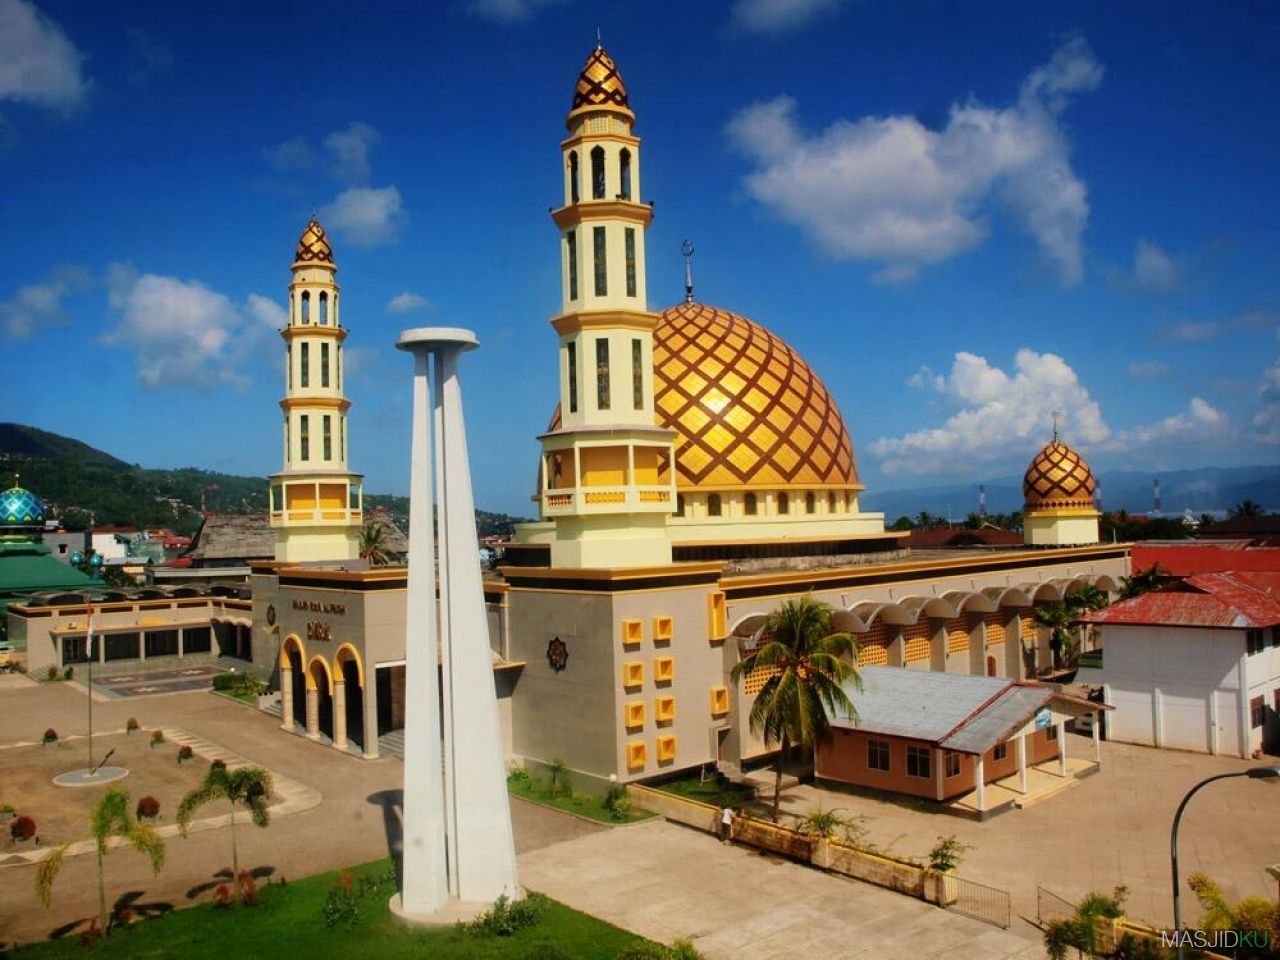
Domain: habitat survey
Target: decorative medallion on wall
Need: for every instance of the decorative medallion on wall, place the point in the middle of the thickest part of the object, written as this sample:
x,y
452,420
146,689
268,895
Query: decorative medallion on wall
x,y
557,654
271,614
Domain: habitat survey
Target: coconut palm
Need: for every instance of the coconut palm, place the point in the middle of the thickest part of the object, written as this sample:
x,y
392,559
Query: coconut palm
x,y
244,786
110,818
1147,581
808,667
375,541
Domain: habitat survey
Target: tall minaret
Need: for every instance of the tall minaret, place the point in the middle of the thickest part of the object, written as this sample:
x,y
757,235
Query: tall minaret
x,y
316,500
606,476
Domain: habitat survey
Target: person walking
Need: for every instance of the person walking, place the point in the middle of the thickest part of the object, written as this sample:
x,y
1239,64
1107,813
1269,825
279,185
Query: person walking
x,y
726,824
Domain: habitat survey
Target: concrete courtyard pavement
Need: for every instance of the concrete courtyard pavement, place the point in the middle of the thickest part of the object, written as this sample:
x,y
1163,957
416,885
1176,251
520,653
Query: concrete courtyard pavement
x,y
1108,829
663,881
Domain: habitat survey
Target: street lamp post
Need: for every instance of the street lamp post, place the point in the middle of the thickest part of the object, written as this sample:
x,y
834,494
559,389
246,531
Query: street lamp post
x,y
1253,773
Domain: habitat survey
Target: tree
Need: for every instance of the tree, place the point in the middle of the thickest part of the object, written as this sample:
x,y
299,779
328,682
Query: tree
x,y
1257,914
902,524
1081,929
249,787
1146,581
1247,508
808,667
375,540
110,818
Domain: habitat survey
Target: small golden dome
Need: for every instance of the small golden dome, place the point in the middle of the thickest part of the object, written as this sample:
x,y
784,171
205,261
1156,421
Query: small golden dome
x,y
747,411
1058,477
313,245
600,84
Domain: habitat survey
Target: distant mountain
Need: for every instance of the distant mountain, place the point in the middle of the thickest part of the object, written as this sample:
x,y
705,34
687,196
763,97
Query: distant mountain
x,y
1203,490
85,485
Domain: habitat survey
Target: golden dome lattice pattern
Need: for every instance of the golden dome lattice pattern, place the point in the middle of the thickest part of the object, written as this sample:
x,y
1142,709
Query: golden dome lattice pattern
x,y
600,84
746,409
1058,477
313,245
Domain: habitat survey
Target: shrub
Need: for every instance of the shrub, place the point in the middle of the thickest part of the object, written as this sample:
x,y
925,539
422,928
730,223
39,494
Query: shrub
x,y
826,824
7,811
185,753
218,765
340,903
51,672
507,917
947,854
248,889
520,778
50,736
617,802
22,828
642,950
222,896
157,737
148,808
131,725
68,673
558,780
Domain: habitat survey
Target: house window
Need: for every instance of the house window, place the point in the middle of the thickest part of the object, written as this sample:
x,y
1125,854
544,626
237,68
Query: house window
x,y
324,364
750,505
630,238
571,251
328,437
306,306
324,309
597,173
602,270
637,374
306,365
953,763
572,349
304,439
784,503
602,374
62,548
713,505
342,437
1001,751
573,177
1254,641
1052,732
289,364
624,174
918,762
878,755
1257,712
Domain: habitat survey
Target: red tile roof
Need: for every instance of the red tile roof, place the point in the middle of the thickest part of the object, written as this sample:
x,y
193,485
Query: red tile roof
x,y
1239,599
1184,559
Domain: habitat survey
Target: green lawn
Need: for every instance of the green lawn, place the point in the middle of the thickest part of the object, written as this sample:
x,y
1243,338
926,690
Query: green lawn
x,y
585,805
717,791
289,921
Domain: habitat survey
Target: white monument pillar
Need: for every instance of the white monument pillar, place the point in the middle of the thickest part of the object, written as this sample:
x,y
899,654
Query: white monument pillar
x,y
458,843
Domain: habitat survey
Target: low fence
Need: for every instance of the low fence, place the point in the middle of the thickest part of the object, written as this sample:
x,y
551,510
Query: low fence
x,y
948,890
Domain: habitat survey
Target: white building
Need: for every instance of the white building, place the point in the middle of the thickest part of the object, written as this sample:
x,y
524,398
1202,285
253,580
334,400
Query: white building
x,y
1196,667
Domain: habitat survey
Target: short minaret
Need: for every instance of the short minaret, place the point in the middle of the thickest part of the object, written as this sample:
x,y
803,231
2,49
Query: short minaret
x,y
1058,490
316,500
606,477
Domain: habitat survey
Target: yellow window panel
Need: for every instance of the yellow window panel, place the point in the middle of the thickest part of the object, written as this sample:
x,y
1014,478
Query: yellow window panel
x,y
637,754
719,700
634,714
717,615
666,748
664,709
664,669
663,628
632,632
633,673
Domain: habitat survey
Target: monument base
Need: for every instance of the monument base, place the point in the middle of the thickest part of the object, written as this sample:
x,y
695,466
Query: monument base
x,y
451,913
90,776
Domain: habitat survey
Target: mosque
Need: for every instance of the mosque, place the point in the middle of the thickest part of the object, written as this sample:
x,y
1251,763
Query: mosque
x,y
695,473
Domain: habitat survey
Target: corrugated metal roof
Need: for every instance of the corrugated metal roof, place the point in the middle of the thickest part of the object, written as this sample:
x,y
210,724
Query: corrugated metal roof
x,y
921,704
1238,600
993,723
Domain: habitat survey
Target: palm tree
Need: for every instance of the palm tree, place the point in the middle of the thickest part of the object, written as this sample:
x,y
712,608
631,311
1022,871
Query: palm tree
x,y
246,786
375,540
1057,617
110,818
809,666
1147,581
1247,508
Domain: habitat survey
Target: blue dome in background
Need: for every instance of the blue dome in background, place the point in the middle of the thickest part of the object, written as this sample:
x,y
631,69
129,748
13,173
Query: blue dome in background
x,y
20,508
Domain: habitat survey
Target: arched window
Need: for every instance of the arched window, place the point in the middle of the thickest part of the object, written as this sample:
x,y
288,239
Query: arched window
x,y
306,306
784,504
574,192
597,173
831,502
624,174
324,309
679,504
810,504
749,505
713,505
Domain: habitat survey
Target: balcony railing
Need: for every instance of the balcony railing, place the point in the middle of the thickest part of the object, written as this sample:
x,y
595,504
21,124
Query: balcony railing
x,y
624,499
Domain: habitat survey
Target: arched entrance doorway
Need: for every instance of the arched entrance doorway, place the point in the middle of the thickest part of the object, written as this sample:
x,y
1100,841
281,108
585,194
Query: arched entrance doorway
x,y
293,684
991,667
350,672
320,686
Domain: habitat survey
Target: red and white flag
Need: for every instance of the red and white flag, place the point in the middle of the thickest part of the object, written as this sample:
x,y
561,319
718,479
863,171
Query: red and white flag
x,y
88,641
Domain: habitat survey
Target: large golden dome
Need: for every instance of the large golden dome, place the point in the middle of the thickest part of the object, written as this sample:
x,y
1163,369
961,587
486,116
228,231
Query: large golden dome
x,y
313,245
600,84
746,409
1058,477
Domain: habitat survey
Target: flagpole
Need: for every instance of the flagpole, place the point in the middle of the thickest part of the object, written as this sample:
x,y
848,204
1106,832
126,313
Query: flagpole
x,y
89,651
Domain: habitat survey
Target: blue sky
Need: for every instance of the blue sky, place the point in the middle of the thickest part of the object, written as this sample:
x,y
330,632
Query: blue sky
x,y
963,216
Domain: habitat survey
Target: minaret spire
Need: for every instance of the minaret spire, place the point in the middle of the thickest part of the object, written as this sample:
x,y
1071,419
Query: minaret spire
x,y
686,249
1056,415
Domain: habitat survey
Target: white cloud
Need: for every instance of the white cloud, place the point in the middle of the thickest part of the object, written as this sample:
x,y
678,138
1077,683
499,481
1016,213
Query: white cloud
x,y
367,216
1154,271
39,305
1252,318
182,333
267,311
998,414
349,149
926,379
1148,370
407,302
1200,423
889,189
776,16
1267,420
507,11
38,64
